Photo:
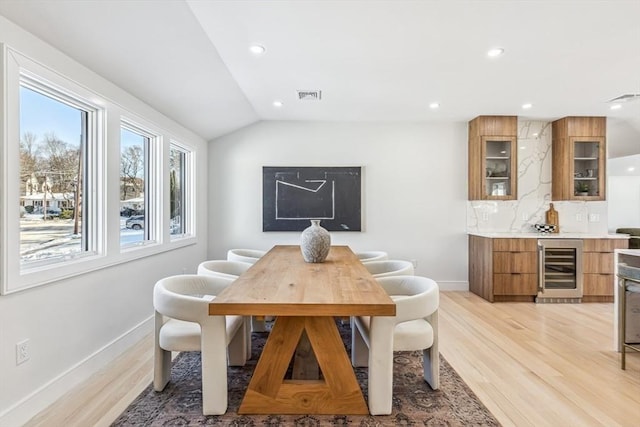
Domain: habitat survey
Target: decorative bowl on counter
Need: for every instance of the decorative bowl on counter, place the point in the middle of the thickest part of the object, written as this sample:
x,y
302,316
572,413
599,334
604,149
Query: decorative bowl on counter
x,y
545,228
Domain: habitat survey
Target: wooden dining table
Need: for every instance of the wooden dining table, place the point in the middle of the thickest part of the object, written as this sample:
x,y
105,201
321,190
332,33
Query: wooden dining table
x,y
305,298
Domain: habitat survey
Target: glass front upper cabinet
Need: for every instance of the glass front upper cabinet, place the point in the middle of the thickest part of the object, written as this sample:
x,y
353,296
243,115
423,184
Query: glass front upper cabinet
x,y
492,158
587,159
579,159
498,167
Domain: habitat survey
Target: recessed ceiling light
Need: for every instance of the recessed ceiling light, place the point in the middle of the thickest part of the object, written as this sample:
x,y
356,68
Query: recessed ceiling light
x,y
278,104
631,168
257,49
527,106
495,52
434,105
616,106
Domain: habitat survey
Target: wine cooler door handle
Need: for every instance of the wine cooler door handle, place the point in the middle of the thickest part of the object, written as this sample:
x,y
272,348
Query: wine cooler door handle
x,y
540,268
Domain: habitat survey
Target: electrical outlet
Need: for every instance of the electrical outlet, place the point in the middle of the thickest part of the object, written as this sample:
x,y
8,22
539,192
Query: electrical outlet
x,y
485,216
594,217
22,352
578,217
525,217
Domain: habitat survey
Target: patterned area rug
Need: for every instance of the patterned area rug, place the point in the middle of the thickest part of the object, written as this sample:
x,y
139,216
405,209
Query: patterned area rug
x,y
414,403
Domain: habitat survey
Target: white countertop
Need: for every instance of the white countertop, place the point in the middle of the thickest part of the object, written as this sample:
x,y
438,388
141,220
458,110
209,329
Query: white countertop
x,y
516,235
632,252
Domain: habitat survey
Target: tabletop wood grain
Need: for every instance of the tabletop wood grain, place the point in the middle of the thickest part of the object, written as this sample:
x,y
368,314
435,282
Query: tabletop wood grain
x,y
281,283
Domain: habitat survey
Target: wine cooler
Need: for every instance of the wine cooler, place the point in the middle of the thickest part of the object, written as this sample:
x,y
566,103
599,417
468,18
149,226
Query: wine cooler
x,y
560,271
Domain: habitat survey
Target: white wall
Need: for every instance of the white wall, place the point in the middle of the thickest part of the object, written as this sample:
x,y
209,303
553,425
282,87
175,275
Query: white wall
x,y
77,325
624,192
414,188
624,202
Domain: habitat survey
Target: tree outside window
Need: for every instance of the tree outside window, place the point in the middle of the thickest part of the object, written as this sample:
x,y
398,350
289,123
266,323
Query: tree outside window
x,y
53,133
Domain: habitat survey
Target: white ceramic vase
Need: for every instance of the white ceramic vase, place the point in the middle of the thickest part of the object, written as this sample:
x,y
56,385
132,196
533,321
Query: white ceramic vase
x,y
315,242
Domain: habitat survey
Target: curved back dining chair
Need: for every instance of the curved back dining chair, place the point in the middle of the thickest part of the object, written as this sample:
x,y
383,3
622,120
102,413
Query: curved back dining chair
x,y
223,268
389,268
414,327
183,323
245,255
232,270
369,256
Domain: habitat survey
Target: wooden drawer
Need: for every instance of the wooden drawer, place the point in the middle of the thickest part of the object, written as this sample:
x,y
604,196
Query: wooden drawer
x,y
604,245
515,262
597,284
597,262
515,245
515,284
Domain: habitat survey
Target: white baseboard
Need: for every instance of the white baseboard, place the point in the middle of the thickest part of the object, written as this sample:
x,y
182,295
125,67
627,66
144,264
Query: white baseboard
x,y
47,394
453,286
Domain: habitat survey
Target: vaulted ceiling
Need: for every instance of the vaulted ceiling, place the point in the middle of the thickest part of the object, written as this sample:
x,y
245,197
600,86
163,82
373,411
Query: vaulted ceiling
x,y
372,60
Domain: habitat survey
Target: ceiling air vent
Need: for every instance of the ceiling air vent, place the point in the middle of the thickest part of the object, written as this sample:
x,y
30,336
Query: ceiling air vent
x,y
309,95
626,98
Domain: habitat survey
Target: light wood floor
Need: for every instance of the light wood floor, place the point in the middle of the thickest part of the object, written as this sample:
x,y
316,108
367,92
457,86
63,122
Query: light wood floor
x,y
531,365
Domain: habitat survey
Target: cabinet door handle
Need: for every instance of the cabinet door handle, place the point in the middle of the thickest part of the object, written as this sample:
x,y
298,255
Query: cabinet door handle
x,y
540,268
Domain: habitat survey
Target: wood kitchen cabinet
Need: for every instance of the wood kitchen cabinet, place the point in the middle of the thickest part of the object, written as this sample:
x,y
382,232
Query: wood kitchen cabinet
x,y
493,158
598,268
506,269
579,158
503,269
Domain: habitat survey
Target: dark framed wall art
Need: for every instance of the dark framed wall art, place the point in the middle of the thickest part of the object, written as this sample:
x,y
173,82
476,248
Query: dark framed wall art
x,y
291,196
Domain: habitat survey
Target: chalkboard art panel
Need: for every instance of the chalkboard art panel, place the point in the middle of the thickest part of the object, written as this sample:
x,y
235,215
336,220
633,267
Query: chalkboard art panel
x,y
292,196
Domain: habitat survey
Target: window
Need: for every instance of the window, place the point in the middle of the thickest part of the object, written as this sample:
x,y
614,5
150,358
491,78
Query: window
x,y
54,133
84,179
137,203
179,208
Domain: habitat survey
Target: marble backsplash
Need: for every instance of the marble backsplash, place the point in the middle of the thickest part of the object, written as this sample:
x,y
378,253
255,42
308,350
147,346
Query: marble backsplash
x,y
534,194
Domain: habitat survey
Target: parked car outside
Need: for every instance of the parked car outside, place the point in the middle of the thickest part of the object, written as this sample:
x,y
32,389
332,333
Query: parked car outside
x,y
136,222
131,212
51,211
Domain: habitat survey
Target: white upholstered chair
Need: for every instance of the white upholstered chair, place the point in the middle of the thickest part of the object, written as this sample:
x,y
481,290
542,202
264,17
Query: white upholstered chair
x,y
183,323
223,268
389,268
414,327
369,256
232,270
250,256
245,255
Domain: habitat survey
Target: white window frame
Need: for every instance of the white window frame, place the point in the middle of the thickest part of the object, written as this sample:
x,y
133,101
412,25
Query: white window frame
x,y
188,222
153,185
104,228
18,70
89,203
